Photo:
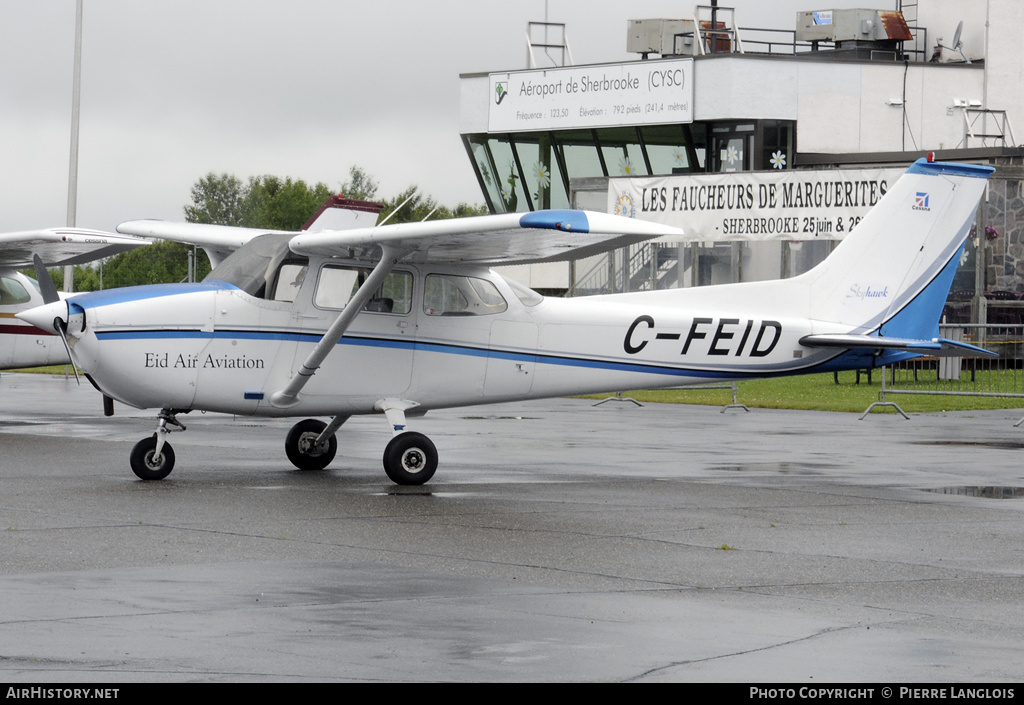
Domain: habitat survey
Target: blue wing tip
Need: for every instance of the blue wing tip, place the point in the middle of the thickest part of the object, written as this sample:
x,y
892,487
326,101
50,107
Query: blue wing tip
x,y
567,220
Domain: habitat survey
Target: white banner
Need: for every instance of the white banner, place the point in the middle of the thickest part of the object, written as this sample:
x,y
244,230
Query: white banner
x,y
757,205
637,93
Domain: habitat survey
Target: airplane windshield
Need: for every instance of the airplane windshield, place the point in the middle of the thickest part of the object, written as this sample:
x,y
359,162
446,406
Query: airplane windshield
x,y
251,265
525,294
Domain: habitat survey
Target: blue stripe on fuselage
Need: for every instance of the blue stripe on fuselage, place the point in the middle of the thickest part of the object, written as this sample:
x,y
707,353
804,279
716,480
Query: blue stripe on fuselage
x,y
451,349
107,297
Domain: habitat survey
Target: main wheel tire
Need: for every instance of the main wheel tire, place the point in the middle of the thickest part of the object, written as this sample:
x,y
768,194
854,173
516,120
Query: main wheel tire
x,y
142,461
410,458
300,449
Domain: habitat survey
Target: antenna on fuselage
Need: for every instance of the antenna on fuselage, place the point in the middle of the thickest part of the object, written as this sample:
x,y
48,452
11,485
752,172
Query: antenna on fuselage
x,y
400,206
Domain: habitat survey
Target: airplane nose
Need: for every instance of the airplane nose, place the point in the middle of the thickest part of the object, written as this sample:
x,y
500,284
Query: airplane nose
x,y
43,316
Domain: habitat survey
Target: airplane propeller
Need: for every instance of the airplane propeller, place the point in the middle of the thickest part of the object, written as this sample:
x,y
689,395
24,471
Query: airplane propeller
x,y
46,286
49,291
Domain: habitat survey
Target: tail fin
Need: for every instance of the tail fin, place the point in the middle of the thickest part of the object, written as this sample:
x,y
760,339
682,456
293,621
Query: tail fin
x,y
892,274
340,213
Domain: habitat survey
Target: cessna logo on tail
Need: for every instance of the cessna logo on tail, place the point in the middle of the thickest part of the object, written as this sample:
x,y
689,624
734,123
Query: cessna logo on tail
x,y
921,201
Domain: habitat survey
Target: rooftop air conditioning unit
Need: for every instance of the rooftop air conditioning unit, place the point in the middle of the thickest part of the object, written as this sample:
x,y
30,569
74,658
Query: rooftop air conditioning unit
x,y
851,26
664,37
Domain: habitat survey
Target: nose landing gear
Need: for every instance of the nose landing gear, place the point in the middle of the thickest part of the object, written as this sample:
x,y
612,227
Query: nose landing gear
x,y
153,458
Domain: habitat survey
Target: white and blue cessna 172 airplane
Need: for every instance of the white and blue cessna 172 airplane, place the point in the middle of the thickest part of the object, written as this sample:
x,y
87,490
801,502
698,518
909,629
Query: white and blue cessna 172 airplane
x,y
401,319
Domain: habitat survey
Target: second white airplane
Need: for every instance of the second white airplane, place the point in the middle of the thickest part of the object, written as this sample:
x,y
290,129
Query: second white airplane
x,y
401,319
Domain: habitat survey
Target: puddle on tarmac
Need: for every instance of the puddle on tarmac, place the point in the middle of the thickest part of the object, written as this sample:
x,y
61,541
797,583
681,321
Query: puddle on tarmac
x,y
1003,445
987,492
780,468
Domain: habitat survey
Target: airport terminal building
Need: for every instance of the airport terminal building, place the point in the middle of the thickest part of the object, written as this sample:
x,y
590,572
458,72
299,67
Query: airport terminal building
x,y
765,145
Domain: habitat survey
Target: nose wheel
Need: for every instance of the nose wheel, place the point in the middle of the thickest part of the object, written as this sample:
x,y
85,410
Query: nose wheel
x,y
153,458
150,465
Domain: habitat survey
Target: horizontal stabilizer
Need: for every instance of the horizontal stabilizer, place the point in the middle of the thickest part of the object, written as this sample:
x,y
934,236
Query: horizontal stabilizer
x,y
219,241
936,347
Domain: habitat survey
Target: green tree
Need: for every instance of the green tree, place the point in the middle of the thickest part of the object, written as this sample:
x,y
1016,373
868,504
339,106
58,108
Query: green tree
x,y
419,207
360,185
270,202
216,199
159,263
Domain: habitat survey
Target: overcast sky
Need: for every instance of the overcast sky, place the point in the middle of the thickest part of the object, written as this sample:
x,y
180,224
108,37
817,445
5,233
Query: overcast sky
x,y
304,88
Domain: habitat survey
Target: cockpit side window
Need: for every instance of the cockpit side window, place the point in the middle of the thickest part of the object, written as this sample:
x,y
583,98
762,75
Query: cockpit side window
x,y
13,292
338,284
451,295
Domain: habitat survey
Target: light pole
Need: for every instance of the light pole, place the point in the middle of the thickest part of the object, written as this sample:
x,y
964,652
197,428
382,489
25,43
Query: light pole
x,y
69,270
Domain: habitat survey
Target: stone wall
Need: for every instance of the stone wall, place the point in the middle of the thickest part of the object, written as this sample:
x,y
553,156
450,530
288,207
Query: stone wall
x,y
1005,213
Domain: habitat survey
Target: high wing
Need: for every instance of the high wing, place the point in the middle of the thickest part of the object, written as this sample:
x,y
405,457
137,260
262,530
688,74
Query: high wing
x,y
62,246
219,241
512,238
936,347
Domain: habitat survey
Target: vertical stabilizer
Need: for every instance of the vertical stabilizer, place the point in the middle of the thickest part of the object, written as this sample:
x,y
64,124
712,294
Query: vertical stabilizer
x,y
340,213
897,266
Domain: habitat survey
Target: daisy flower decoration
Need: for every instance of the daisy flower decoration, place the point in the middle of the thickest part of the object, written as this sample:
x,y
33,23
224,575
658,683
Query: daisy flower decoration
x,y
542,174
778,160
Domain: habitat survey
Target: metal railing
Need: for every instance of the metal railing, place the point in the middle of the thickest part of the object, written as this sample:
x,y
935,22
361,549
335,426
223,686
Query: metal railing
x,y
1001,376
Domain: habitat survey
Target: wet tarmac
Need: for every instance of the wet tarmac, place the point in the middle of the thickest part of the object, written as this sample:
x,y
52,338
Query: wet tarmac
x,y
558,542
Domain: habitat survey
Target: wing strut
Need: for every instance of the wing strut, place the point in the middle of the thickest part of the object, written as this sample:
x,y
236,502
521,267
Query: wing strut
x,y
289,396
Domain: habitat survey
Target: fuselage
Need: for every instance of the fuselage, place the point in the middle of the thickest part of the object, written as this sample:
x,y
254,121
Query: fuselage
x,y
438,336
21,343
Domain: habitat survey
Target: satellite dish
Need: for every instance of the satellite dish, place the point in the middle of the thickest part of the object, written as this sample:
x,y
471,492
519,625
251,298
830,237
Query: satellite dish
x,y
957,43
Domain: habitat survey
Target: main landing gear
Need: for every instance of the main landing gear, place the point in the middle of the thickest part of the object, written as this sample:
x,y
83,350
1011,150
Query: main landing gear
x,y
311,444
410,458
